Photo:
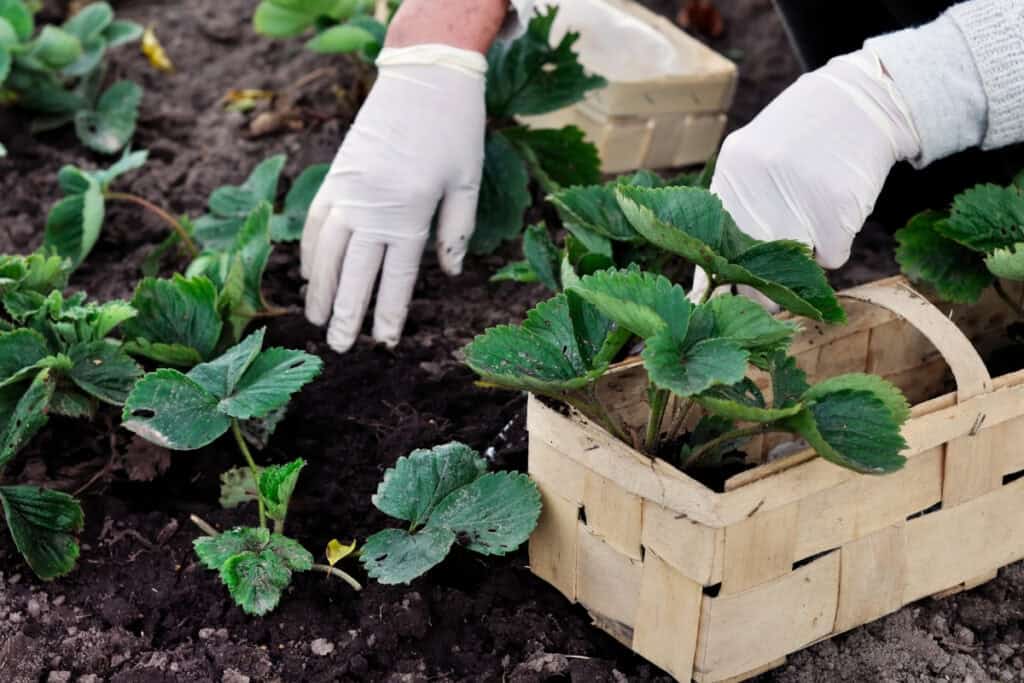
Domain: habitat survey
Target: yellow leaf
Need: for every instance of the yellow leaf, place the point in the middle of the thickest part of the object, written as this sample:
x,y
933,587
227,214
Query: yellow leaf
x,y
154,51
246,99
336,552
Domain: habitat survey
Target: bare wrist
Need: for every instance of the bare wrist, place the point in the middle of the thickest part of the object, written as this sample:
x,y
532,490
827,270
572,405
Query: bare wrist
x,y
465,24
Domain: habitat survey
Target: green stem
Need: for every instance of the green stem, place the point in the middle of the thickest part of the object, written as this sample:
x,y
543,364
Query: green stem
x,y
333,571
203,525
592,407
712,286
680,419
659,401
734,435
176,225
1005,296
236,429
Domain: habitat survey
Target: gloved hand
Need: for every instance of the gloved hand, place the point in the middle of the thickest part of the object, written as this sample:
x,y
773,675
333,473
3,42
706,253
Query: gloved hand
x,y
417,142
810,166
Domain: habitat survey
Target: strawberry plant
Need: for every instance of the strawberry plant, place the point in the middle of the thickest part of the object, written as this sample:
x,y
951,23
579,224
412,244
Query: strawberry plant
x,y
698,355
341,26
57,72
56,357
189,411
448,498
971,246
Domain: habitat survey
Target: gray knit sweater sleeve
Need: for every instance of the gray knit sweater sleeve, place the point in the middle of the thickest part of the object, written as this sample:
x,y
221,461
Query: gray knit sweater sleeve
x,y
962,76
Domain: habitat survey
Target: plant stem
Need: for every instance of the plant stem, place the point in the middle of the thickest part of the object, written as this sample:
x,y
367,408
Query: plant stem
x,y
203,525
712,286
178,228
1005,296
592,407
659,401
680,419
340,574
734,435
236,429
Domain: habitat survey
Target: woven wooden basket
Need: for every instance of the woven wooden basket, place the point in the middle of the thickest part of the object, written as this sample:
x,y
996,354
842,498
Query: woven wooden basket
x,y
721,586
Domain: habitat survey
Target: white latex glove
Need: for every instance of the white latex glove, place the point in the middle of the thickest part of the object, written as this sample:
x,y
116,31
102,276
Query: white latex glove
x,y
810,166
417,143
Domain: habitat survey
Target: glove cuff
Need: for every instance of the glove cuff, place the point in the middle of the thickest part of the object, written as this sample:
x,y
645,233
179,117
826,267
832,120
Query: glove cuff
x,y
468,62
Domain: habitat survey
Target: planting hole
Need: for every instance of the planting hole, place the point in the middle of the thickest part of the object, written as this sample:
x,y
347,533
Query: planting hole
x,y
144,413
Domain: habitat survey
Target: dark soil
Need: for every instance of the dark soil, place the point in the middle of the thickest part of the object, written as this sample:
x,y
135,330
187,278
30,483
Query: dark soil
x,y
139,608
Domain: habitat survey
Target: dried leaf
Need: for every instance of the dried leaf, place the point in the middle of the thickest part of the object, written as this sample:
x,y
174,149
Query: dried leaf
x,y
154,51
336,551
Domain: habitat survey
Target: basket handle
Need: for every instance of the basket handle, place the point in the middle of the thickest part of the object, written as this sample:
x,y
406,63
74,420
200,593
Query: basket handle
x,y
897,296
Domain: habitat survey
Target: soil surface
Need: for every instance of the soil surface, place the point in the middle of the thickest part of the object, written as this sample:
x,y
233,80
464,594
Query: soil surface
x,y
140,609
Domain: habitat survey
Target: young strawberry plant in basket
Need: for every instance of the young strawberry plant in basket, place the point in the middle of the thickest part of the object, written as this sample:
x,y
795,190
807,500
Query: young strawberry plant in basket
x,y
700,358
56,358
57,73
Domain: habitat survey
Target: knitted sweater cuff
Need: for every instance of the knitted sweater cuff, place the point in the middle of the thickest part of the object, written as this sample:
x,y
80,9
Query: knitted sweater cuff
x,y
994,30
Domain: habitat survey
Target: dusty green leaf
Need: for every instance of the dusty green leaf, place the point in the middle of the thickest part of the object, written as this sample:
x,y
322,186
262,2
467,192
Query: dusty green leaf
x,y
29,413
73,224
745,322
44,525
19,16
986,218
20,349
644,303
884,391
297,203
110,125
789,381
504,196
215,551
256,580
593,209
269,382
395,556
55,48
237,486
517,271
418,482
743,402
493,515
956,273
693,370
103,370
276,21
340,39
530,76
542,255
558,157
1008,263
173,315
277,483
171,410
90,21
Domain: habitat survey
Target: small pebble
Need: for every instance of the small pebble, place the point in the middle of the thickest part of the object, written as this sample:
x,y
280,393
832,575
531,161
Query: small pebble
x,y
321,647
15,617
89,678
33,608
234,676
964,635
1003,650
16,578
205,633
59,600
59,677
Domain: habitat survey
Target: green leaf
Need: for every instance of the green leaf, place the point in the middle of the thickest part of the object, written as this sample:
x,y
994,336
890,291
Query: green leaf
x,y
29,414
644,303
542,255
20,349
269,382
45,526
278,22
262,182
221,375
171,410
104,370
294,556
215,551
111,124
19,16
745,322
74,224
297,203
884,391
92,54
986,218
789,381
593,209
121,32
691,371
517,271
493,515
175,316
529,76
256,581
598,339
395,556
561,157
853,429
90,21
504,196
55,48
956,273
129,161
277,483
237,486
744,402
5,65
341,39
542,355
417,483
73,404
1007,263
